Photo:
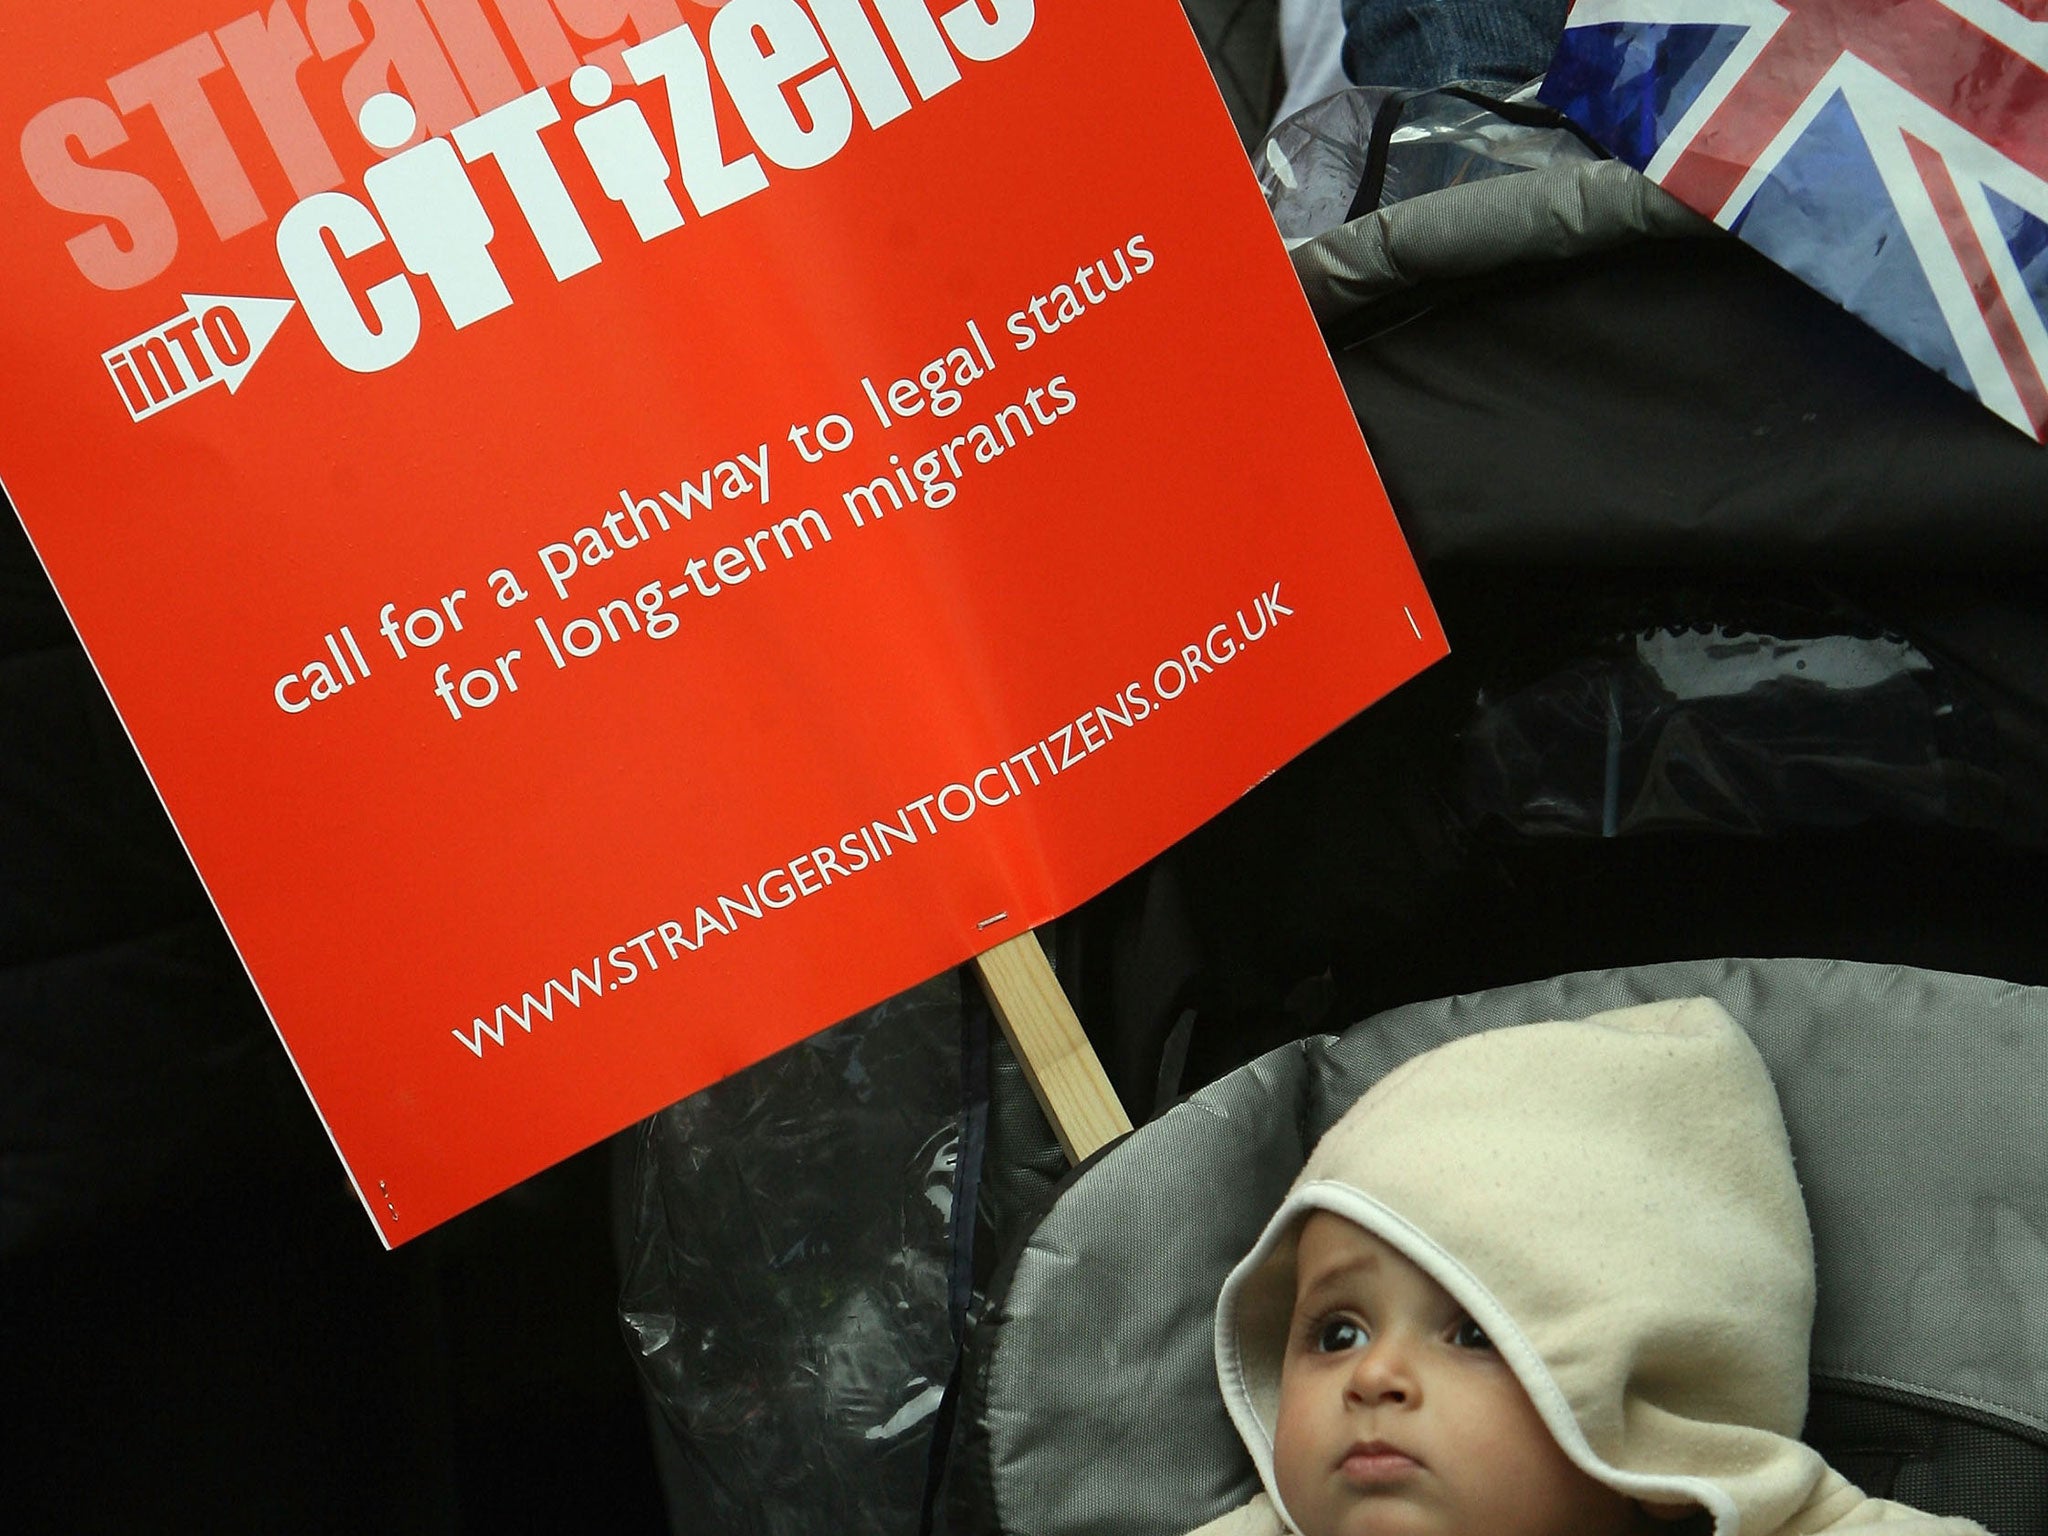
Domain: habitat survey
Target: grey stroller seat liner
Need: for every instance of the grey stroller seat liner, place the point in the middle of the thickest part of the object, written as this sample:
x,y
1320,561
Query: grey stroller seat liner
x,y
1914,1099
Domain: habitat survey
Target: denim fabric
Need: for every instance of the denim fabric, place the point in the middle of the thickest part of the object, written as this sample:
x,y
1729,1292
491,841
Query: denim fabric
x,y
1421,43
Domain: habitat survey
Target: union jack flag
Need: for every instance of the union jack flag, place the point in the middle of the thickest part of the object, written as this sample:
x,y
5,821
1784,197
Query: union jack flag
x,y
1891,153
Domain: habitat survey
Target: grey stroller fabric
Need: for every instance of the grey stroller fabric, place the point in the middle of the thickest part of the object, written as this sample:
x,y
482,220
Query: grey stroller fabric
x,y
1913,1099
1543,215
1456,190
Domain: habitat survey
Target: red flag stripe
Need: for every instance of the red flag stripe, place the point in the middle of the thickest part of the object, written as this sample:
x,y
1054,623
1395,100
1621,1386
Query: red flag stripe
x,y
1962,72
1991,300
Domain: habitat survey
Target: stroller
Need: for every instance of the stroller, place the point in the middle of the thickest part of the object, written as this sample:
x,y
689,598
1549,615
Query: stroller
x,y
1747,661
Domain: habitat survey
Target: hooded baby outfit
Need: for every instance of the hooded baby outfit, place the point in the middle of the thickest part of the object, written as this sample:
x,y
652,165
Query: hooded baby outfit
x,y
1612,1201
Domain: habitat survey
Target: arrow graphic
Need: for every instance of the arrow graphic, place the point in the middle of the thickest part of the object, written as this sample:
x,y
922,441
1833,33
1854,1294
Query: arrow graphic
x,y
216,341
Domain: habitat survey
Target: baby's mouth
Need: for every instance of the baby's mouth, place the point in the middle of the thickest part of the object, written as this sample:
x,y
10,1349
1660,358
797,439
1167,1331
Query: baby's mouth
x,y
1376,1464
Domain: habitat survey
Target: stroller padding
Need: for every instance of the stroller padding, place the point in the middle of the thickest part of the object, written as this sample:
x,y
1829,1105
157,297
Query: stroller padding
x,y
1914,1104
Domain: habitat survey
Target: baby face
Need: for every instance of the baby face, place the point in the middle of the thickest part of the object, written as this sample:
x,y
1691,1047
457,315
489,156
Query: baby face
x,y
1397,1418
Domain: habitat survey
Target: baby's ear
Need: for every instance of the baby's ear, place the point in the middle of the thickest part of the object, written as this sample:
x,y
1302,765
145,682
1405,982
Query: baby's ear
x,y
1669,1513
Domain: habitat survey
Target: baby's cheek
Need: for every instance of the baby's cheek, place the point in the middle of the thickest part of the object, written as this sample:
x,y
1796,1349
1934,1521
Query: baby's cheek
x,y
1536,1490
1295,1461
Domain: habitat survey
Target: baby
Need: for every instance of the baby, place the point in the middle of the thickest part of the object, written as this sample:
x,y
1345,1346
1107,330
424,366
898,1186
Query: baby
x,y
1547,1281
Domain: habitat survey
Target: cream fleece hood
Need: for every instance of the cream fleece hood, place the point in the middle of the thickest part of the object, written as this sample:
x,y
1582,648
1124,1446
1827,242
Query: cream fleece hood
x,y
1612,1200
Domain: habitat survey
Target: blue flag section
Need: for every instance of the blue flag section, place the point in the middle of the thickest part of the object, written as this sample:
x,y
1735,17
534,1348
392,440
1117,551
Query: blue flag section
x,y
1629,86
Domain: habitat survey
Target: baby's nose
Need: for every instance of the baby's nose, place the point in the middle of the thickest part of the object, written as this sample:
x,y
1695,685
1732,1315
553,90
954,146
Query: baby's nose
x,y
1384,1373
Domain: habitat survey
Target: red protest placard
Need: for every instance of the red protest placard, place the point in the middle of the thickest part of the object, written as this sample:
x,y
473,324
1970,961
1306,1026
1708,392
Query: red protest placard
x,y
708,515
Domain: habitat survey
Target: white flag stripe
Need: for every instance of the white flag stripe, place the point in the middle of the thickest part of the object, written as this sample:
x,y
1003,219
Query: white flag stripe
x,y
2027,38
1938,260
2026,315
1712,13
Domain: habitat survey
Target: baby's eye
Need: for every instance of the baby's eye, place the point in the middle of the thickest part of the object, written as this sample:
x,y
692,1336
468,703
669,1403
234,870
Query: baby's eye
x,y
1336,1334
1469,1335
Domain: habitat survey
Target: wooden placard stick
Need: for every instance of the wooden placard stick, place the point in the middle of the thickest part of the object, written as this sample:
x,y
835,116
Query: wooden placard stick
x,y
1065,1075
